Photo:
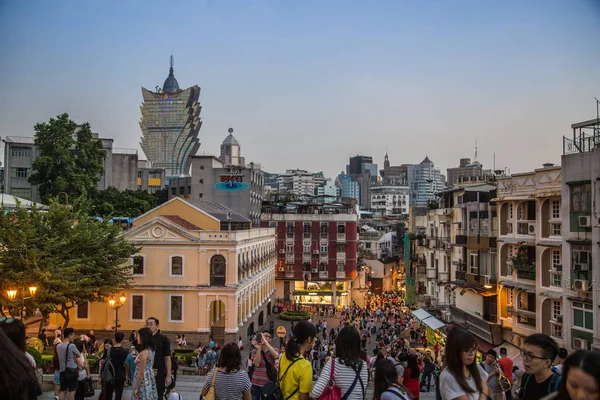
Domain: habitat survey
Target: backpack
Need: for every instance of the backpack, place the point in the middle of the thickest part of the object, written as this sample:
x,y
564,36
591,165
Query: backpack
x,y
552,384
272,390
108,372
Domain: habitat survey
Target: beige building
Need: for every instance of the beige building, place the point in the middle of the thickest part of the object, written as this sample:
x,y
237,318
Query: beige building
x,y
201,271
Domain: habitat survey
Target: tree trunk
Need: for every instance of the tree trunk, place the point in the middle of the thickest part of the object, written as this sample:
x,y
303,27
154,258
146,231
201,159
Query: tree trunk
x,y
64,312
45,315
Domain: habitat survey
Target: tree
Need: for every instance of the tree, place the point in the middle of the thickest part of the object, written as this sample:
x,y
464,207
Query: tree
x,y
70,159
72,257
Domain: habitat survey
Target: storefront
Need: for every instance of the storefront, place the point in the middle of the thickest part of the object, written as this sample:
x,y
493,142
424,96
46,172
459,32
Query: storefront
x,y
435,330
321,294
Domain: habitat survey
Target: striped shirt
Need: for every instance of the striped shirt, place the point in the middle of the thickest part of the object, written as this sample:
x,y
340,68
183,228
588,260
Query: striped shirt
x,y
229,386
343,377
259,377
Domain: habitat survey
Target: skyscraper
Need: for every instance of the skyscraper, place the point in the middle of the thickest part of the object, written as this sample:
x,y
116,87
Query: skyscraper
x,y
170,125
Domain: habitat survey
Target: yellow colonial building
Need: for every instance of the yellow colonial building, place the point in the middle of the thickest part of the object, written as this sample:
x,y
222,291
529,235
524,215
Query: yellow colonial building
x,y
202,270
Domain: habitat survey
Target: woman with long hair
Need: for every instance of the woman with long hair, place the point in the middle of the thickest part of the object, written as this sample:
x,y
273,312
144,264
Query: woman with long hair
x,y
17,377
350,371
580,377
231,382
144,384
295,372
386,386
411,376
462,377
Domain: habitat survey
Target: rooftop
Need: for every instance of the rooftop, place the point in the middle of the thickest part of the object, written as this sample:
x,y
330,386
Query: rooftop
x,y
182,222
221,212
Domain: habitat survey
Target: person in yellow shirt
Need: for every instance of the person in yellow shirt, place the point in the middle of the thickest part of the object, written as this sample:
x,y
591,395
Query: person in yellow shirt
x,y
295,372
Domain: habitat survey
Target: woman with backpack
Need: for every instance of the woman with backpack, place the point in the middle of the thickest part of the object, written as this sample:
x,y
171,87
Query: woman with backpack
x,y
386,386
348,371
295,372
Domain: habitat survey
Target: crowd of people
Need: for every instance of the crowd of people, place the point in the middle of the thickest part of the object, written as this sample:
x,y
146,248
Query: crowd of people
x,y
317,361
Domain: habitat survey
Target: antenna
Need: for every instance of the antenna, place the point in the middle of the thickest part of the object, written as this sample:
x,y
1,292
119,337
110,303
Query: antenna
x,y
171,61
475,150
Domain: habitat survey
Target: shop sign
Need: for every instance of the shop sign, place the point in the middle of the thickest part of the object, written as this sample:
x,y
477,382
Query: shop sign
x,y
281,331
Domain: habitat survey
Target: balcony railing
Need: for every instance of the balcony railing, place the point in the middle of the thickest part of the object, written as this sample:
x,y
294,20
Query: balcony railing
x,y
525,271
421,270
460,239
444,276
306,235
289,235
341,237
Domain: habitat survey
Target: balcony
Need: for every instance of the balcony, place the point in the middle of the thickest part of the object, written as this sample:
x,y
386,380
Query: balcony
x,y
323,274
525,271
421,270
486,330
341,255
341,237
431,273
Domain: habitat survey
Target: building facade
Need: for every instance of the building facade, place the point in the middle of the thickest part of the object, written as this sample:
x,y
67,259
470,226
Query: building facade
x,y
316,252
349,189
231,151
466,169
581,236
390,201
394,175
328,192
425,181
194,275
170,125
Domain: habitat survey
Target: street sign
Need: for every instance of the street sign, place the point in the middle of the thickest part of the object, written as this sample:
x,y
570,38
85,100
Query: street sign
x,y
281,331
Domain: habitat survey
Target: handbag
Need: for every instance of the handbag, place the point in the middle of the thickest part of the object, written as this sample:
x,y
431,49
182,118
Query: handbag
x,y
89,388
70,373
331,391
211,392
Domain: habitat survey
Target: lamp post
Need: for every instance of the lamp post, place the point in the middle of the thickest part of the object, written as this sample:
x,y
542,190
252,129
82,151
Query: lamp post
x,y
12,296
115,305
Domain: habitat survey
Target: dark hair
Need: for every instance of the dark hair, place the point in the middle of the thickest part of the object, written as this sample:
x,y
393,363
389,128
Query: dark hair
x,y
155,320
386,376
544,342
459,341
68,332
145,338
16,333
119,337
587,361
17,376
563,353
347,347
230,357
413,366
79,345
492,352
301,333
43,330
503,351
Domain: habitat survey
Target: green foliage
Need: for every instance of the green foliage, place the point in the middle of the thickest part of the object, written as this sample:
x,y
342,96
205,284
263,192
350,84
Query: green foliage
x,y
113,202
46,364
92,361
36,356
290,315
185,359
70,159
71,257
47,353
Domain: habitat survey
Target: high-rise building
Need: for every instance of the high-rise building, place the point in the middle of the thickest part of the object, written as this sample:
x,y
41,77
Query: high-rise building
x,y
466,170
170,125
394,175
349,189
425,181
231,151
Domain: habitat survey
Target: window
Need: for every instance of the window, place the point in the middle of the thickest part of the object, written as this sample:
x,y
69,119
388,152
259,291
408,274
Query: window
x,y
83,311
368,245
139,174
323,266
581,197
176,266
217,271
583,315
555,209
20,152
341,248
138,264
556,260
324,249
510,211
324,228
289,248
521,211
555,229
174,191
272,224
556,309
176,309
473,267
341,228
306,228
509,296
19,172
137,307
341,266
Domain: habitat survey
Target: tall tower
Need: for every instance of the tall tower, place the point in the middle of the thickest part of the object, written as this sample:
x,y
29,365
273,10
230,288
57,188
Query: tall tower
x,y
170,125
231,151
386,161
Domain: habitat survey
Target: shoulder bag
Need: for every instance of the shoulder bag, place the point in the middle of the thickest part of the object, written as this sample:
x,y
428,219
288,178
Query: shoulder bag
x,y
70,373
272,390
211,392
271,371
331,391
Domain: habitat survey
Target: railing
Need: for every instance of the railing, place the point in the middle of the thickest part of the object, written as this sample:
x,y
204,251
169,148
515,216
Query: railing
x,y
421,270
460,239
444,276
583,144
525,271
306,235
236,235
341,237
289,235
486,330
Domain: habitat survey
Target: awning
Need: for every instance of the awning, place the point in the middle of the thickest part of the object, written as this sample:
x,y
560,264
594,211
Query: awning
x,y
512,240
518,285
549,194
421,314
552,295
579,241
434,323
508,198
548,243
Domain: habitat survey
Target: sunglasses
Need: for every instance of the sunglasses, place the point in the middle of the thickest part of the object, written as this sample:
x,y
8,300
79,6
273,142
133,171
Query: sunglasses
x,y
7,320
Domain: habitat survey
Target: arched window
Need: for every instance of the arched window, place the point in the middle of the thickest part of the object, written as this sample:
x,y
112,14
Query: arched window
x,y
217,271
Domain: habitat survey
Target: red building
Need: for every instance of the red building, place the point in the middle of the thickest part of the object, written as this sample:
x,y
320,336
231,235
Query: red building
x,y
317,252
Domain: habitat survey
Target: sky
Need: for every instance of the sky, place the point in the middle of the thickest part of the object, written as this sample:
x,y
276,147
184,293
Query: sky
x,y
308,84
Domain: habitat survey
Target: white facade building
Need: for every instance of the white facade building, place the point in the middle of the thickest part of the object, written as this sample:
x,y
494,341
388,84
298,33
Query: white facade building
x,y
390,200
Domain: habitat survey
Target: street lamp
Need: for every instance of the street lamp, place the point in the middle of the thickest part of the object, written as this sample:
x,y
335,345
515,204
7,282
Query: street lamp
x,y
12,296
115,305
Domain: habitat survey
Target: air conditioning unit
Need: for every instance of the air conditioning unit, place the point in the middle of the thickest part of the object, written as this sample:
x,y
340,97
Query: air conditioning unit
x,y
315,251
581,267
580,344
281,251
580,285
531,228
584,222
315,270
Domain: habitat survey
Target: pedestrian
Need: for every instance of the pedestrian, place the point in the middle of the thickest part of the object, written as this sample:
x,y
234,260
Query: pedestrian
x,y
183,341
428,370
436,350
241,344
17,378
581,377
560,359
490,365
230,382
130,365
179,341
42,336
117,355
539,351
68,357
295,372
162,357
84,374
411,381
386,386
350,371
462,377
263,359
144,382
506,365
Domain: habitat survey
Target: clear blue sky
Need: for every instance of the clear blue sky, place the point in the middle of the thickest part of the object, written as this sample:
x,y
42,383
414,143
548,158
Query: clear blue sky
x,y
307,84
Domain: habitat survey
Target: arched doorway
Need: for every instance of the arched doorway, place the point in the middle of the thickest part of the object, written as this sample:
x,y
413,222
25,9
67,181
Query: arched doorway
x,y
250,329
261,318
269,309
216,316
